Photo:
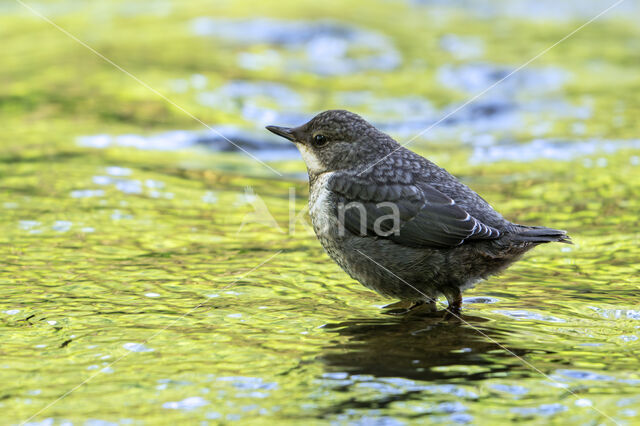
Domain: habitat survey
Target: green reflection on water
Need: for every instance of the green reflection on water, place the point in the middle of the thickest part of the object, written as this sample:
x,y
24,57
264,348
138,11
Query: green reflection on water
x,y
146,286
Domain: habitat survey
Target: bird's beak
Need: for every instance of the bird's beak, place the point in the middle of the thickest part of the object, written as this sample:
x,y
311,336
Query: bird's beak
x,y
285,132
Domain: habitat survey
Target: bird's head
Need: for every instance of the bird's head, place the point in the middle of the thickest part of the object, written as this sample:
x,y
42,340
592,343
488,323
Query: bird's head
x,y
337,140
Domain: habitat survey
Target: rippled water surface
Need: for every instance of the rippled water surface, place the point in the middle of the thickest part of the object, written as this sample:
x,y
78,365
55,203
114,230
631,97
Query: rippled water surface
x,y
154,274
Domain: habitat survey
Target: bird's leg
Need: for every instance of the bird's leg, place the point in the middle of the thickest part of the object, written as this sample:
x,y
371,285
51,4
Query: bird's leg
x,y
454,299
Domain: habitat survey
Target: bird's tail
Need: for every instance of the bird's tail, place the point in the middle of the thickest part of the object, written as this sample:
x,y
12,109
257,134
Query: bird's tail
x,y
540,234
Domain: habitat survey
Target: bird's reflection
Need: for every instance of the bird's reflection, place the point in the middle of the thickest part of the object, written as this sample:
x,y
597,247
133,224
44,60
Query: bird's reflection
x,y
421,348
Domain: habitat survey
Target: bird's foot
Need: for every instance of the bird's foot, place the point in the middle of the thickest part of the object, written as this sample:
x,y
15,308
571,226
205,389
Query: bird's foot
x,y
423,308
404,307
452,315
401,304
399,308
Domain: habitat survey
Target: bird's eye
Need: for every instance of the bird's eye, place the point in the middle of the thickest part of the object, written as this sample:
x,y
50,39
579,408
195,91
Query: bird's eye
x,y
319,140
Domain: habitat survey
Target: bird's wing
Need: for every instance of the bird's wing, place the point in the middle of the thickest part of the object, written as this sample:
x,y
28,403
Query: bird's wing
x,y
424,216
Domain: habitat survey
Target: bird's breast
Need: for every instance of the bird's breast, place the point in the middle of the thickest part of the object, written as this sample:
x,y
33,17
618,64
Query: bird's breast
x,y
322,209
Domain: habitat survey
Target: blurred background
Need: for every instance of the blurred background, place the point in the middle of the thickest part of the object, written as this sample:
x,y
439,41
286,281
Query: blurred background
x,y
146,250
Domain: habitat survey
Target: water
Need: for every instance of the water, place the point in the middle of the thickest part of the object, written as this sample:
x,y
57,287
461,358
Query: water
x,y
152,274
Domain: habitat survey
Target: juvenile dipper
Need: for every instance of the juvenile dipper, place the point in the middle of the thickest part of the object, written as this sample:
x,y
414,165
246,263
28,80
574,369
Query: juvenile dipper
x,y
395,221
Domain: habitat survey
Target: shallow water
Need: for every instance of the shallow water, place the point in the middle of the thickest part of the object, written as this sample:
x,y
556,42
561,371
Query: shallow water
x,y
151,276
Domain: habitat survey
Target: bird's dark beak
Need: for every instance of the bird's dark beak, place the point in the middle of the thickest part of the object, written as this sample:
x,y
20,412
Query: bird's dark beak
x,y
285,132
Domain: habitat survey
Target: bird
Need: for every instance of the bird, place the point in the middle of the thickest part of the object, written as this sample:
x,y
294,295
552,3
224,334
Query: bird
x,y
398,223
